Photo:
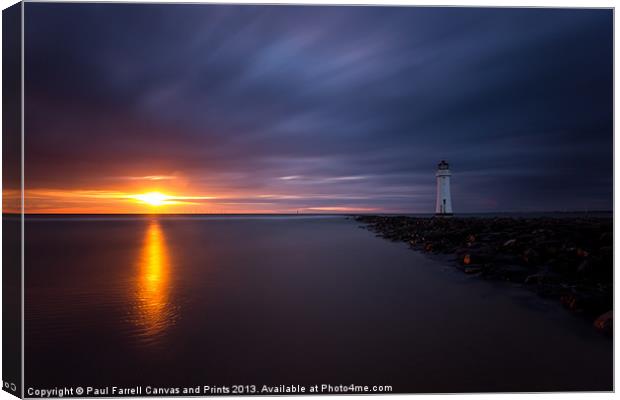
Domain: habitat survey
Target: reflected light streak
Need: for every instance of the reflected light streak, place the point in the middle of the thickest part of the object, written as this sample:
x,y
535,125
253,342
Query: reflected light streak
x,y
154,309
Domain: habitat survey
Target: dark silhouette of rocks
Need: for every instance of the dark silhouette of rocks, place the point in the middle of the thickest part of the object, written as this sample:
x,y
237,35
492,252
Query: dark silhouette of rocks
x,y
569,259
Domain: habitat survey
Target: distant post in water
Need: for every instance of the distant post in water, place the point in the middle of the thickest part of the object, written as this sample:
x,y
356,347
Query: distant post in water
x,y
443,205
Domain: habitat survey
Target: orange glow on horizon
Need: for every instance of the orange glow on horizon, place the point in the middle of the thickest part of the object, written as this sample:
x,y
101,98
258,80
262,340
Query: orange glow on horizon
x,y
101,201
129,199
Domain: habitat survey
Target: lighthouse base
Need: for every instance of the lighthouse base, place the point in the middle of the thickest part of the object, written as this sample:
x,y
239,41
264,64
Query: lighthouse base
x,y
444,214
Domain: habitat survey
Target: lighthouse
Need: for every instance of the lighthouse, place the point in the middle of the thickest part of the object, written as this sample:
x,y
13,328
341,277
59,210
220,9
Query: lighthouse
x,y
443,206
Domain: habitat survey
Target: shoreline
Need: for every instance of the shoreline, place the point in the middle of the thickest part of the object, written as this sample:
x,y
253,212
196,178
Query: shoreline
x,y
566,259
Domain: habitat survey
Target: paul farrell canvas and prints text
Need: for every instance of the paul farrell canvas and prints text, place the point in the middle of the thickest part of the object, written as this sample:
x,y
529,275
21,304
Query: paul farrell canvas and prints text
x,y
229,199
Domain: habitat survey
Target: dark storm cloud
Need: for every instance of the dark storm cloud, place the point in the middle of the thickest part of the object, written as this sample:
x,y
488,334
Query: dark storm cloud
x,y
343,106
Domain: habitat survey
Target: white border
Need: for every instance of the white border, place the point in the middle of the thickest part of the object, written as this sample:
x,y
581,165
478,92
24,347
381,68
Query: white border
x,y
458,3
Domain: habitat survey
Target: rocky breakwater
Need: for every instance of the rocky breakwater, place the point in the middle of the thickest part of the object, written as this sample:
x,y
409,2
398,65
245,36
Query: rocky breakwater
x,y
570,259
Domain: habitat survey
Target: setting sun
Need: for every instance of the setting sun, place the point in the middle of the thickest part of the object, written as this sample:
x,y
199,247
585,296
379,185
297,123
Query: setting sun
x,y
153,198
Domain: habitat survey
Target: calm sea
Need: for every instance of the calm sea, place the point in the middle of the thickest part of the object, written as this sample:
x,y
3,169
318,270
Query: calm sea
x,y
189,301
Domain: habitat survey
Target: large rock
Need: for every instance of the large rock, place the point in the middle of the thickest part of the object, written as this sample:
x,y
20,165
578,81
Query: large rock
x,y
604,323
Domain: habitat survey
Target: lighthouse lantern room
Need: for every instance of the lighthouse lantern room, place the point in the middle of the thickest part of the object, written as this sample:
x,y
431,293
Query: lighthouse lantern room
x,y
443,205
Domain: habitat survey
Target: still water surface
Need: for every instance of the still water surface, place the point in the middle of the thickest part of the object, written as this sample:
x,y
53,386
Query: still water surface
x,y
282,300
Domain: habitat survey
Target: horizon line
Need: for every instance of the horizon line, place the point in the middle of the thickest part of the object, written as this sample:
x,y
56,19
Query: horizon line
x,y
324,213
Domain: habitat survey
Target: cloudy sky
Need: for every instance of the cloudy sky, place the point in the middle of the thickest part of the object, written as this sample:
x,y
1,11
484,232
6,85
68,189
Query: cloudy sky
x,y
285,108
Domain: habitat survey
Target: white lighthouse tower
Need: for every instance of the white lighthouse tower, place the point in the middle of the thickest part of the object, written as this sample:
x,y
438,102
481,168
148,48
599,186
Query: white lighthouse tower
x,y
443,206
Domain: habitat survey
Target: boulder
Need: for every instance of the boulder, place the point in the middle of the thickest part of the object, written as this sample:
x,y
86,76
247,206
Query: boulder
x,y
604,323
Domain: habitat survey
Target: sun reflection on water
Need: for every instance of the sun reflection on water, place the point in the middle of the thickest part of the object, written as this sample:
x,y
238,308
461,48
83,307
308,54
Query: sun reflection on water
x,y
154,309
